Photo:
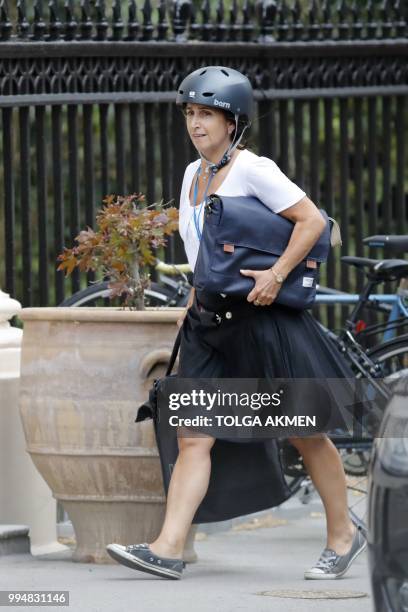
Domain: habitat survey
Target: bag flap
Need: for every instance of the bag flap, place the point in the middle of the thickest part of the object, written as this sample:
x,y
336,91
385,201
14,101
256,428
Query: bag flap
x,y
247,222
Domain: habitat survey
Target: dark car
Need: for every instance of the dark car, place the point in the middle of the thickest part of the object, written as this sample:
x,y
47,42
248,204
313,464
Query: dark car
x,y
388,507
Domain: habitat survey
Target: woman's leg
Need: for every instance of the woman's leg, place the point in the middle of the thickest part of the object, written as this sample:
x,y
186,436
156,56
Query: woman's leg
x,y
188,486
325,468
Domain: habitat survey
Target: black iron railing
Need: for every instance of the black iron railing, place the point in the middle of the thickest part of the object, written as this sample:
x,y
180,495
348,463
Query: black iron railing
x,y
87,108
261,20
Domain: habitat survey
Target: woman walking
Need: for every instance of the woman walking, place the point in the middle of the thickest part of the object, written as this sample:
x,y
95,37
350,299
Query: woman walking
x,y
253,337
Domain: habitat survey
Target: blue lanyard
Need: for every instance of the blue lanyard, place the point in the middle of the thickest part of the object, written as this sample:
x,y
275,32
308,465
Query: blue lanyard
x,y
197,216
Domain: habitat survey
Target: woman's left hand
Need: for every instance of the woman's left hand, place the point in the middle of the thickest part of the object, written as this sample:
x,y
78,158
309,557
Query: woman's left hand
x,y
266,287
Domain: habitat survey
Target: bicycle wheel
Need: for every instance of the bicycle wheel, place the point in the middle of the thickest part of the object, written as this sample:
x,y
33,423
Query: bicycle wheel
x,y
98,295
392,357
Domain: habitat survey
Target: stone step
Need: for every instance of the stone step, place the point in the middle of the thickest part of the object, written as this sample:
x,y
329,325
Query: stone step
x,y
14,539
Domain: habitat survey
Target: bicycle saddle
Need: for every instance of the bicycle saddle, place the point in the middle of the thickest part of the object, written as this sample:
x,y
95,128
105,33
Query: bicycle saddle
x,y
379,269
394,243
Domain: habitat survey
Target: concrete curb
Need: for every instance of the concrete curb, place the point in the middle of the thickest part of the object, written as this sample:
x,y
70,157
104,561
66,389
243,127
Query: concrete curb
x,y
14,539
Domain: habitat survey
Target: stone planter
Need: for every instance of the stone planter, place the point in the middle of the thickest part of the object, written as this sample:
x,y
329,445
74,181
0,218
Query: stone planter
x,y
84,372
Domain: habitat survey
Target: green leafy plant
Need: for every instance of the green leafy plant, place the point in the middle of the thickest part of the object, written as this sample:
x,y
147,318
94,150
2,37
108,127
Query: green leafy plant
x,y
127,232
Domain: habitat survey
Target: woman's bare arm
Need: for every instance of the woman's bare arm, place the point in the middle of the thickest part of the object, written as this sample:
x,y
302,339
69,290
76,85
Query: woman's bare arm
x,y
309,224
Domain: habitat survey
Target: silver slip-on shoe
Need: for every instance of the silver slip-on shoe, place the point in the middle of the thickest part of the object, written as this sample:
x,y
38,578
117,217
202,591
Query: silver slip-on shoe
x,y
140,557
331,565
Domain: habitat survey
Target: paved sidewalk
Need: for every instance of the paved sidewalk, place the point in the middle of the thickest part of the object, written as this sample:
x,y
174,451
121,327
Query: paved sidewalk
x,y
234,568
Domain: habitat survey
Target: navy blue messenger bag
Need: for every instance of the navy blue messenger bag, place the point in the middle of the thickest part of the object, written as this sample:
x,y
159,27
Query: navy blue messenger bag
x,y
243,233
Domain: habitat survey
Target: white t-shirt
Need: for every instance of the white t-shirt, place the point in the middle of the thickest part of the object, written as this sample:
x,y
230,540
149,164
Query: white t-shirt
x,y
249,175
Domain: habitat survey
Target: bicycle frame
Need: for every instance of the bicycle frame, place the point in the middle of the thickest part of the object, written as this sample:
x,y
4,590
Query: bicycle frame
x,y
396,307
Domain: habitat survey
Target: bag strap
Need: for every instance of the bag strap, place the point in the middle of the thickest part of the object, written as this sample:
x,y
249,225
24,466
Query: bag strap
x,y
174,353
335,234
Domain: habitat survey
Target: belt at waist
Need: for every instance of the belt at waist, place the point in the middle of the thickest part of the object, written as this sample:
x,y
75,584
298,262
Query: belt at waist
x,y
216,301
232,312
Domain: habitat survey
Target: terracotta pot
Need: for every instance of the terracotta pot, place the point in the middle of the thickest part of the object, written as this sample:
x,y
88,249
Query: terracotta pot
x,y
84,372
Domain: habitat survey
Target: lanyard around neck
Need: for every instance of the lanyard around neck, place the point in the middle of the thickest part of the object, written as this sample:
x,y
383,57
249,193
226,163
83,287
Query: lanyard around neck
x,y
195,214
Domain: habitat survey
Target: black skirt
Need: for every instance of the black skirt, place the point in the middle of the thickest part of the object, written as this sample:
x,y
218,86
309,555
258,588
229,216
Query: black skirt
x,y
262,342
265,341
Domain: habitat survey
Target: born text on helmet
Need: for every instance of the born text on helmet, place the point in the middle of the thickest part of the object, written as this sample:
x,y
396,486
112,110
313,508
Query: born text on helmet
x,y
221,103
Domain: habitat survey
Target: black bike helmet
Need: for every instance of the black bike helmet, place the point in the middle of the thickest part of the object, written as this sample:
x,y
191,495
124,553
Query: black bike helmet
x,y
220,87
225,89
